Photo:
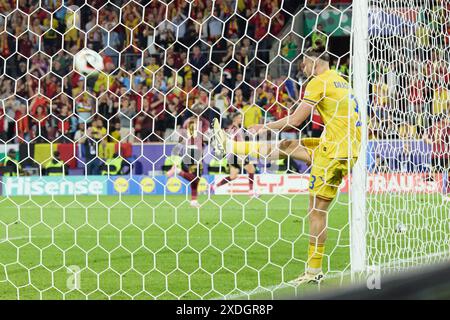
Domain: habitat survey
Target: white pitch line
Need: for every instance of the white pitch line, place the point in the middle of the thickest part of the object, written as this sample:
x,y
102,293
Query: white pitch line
x,y
13,238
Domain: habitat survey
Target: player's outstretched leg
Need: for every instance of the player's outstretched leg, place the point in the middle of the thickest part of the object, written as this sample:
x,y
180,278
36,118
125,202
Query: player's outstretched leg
x,y
234,172
298,150
194,192
225,180
250,168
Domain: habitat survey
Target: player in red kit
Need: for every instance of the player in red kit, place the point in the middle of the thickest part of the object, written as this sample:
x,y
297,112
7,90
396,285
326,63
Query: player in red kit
x,y
235,163
191,147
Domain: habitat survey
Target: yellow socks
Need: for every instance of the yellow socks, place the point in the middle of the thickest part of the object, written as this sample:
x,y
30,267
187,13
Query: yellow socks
x,y
315,256
246,148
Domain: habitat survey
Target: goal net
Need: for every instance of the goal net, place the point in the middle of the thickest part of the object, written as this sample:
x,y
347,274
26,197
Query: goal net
x,y
408,146
111,185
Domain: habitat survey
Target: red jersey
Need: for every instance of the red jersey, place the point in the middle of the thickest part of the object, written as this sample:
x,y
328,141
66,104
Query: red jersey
x,y
194,129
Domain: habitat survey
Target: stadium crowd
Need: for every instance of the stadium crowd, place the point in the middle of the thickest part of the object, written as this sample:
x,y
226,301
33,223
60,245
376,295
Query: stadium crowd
x,y
152,81
164,63
410,77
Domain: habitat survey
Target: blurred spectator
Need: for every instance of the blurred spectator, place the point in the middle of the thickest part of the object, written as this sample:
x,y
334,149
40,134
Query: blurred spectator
x,y
222,101
215,27
98,130
174,82
197,60
441,100
380,100
40,122
90,145
379,165
11,167
67,124
238,101
84,107
79,133
115,132
289,48
252,115
319,37
205,83
214,75
22,122
278,19
55,167
127,111
342,67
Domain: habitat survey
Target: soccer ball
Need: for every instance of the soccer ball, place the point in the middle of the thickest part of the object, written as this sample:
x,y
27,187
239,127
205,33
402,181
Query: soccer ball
x,y
88,62
400,228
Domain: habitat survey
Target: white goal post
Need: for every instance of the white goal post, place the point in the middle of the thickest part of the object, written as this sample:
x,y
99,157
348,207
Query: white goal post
x,y
358,70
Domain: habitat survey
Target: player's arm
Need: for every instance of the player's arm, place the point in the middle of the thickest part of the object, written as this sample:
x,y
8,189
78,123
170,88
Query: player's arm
x,y
314,92
293,120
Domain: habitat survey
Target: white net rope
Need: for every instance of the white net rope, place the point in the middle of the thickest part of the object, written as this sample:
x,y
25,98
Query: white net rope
x,y
409,133
115,225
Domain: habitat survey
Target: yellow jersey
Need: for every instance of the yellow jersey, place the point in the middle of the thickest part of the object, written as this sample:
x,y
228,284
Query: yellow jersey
x,y
381,94
252,115
441,101
150,70
115,135
99,132
103,80
331,95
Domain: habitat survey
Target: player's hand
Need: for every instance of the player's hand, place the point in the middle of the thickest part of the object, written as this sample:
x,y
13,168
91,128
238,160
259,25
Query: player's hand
x,y
257,128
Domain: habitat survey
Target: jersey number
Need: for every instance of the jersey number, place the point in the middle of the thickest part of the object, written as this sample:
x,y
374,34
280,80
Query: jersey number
x,y
312,181
358,122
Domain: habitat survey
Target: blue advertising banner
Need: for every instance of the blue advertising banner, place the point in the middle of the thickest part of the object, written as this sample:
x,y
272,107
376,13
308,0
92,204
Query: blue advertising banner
x,y
272,184
154,185
98,185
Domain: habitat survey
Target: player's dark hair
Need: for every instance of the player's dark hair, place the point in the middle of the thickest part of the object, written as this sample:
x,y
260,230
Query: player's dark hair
x,y
319,52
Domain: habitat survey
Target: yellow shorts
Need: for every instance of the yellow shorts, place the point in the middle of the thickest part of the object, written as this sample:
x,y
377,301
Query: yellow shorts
x,y
327,175
310,144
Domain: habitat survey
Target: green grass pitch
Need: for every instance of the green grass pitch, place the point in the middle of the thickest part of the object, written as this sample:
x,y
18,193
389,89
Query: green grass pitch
x,y
156,247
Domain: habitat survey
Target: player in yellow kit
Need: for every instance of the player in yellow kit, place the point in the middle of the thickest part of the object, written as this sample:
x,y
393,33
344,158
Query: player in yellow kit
x,y
331,156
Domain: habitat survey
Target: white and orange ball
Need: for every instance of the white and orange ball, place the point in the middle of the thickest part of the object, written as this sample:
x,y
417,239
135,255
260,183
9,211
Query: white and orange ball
x,y
88,62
